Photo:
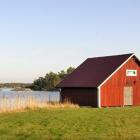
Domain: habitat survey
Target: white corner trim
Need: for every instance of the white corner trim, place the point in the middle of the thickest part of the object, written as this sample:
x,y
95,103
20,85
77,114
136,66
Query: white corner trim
x,y
99,97
116,70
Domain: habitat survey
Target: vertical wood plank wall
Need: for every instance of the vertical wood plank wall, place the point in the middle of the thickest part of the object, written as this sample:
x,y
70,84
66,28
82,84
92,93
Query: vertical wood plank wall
x,y
80,96
112,90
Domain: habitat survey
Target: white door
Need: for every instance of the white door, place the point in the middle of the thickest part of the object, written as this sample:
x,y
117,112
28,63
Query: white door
x,y
128,95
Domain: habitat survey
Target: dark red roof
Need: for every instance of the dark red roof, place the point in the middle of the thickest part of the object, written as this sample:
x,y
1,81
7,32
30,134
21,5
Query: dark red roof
x,y
93,71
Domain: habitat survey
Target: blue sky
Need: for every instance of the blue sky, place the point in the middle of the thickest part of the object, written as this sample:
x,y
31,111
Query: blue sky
x,y
38,36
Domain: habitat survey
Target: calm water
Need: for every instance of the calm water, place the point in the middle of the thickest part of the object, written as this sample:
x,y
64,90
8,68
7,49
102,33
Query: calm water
x,y
42,96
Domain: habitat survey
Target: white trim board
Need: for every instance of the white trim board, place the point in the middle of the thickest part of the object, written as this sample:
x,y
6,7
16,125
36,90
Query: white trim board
x,y
116,71
99,97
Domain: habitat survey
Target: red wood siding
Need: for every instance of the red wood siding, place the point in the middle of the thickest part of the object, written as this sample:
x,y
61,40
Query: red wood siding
x,y
112,90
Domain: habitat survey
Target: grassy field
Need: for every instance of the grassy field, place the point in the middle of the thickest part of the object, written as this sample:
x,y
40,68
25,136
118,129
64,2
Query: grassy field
x,y
72,124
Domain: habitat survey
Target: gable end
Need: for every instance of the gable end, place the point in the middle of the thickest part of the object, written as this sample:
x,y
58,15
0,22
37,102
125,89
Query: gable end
x,y
118,69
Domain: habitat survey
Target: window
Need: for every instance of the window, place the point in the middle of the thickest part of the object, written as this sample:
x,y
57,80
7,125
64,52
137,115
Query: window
x,y
131,72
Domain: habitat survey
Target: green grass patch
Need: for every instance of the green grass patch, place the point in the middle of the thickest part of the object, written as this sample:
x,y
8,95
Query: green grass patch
x,y
72,124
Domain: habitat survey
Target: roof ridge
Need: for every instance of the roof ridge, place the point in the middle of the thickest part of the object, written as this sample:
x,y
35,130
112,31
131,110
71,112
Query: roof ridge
x,y
111,56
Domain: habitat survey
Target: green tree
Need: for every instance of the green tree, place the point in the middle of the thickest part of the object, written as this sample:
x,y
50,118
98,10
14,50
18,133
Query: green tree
x,y
39,84
51,79
70,70
62,74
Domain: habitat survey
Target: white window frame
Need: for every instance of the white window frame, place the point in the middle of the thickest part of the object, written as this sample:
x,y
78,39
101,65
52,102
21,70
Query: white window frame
x,y
131,72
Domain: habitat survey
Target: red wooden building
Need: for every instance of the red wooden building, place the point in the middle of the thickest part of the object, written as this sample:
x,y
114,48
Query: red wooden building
x,y
104,82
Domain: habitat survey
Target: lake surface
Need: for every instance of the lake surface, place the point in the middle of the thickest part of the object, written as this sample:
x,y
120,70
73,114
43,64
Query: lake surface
x,y
41,96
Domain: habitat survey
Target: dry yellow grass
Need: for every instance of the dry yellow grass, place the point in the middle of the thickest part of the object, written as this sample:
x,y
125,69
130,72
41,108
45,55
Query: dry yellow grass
x,y
20,104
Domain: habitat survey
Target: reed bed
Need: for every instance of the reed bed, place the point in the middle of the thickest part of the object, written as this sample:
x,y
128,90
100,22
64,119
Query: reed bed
x,y
21,104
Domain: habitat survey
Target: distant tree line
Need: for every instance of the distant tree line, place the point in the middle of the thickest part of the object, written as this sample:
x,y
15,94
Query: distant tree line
x,y
50,80
14,85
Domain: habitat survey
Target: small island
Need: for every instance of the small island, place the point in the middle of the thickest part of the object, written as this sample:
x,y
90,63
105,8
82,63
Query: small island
x,y
21,89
